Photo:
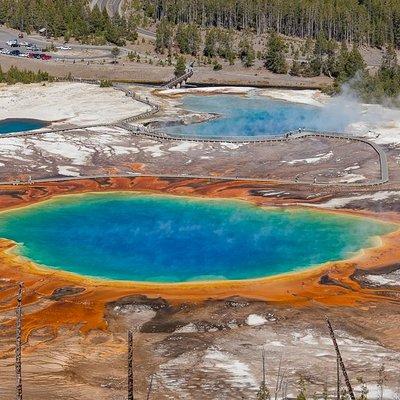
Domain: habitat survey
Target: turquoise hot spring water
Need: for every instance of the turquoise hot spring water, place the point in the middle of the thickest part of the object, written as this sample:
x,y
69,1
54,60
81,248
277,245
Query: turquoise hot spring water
x,y
257,115
151,238
14,125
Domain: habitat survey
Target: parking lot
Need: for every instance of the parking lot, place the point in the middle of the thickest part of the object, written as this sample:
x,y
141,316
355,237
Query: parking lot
x,y
19,47
35,46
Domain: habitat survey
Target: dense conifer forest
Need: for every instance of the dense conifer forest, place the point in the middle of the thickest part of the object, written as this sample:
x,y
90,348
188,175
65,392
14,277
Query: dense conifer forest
x,y
371,22
67,18
213,31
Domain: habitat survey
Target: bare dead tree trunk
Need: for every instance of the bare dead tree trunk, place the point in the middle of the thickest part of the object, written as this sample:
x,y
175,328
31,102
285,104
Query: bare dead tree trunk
x,y
279,379
150,388
337,378
341,363
18,344
130,365
263,393
263,366
285,390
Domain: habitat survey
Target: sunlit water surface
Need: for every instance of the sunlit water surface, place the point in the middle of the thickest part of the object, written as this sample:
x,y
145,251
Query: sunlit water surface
x,y
256,115
12,125
167,239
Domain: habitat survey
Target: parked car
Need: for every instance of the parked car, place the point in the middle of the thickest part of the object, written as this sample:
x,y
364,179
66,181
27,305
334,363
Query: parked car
x,y
34,55
24,44
23,55
15,53
5,51
63,47
16,44
32,47
20,35
45,57
11,42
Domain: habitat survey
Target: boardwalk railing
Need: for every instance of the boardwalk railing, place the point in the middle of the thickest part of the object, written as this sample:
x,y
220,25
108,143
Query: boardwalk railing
x,y
178,80
154,108
383,164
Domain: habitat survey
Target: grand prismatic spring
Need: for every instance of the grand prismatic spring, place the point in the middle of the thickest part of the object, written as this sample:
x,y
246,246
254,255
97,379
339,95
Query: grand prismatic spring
x,y
168,239
199,200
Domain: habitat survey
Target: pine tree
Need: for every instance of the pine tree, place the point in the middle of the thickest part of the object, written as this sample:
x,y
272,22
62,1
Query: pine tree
x,y
211,42
263,392
225,47
325,394
115,51
296,68
302,394
275,55
315,66
188,39
389,59
164,35
321,45
355,63
344,395
364,390
180,66
246,52
381,380
2,76
374,22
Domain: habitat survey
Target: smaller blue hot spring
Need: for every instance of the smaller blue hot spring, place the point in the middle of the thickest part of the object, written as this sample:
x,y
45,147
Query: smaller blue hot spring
x,y
255,115
11,125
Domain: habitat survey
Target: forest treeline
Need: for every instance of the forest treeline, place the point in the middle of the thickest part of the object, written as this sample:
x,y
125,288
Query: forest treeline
x,y
15,75
219,30
345,65
371,22
67,18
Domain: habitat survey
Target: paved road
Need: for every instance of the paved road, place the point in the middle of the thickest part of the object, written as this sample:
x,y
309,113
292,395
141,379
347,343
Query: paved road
x,y
116,7
113,6
11,34
7,34
146,32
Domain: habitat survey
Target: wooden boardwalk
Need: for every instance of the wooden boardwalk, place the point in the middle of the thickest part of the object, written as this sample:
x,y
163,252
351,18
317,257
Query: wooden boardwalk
x,y
154,108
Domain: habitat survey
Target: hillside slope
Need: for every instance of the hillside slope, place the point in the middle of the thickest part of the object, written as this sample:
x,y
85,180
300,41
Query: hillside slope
x,y
113,6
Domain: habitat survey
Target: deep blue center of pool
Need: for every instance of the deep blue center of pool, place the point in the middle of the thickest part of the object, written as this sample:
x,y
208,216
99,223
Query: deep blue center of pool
x,y
256,115
166,239
11,125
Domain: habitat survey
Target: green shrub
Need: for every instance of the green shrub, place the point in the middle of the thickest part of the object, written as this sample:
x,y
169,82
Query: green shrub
x,y
105,83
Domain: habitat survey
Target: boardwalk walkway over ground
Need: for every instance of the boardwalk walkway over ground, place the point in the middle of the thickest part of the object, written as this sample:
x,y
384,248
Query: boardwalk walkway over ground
x,y
179,81
154,108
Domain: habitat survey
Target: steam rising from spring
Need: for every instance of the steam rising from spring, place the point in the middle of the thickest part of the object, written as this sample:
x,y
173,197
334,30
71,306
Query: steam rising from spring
x,y
261,115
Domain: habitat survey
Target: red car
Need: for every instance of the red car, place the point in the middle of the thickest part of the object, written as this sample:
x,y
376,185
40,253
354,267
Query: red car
x,y
45,57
